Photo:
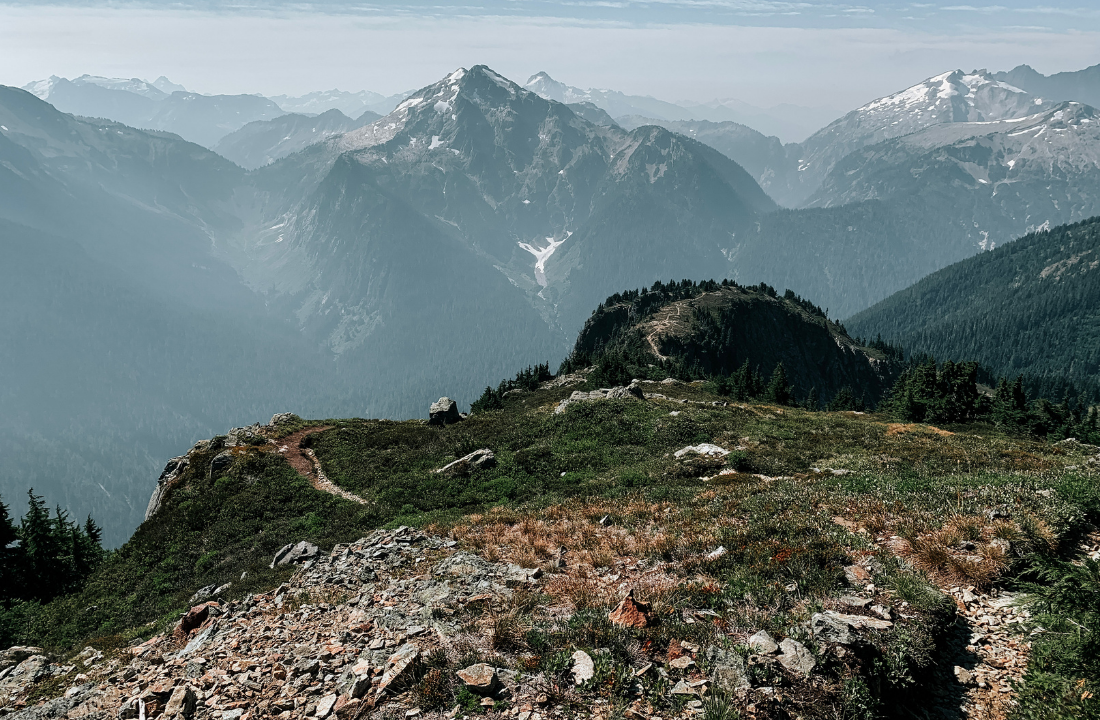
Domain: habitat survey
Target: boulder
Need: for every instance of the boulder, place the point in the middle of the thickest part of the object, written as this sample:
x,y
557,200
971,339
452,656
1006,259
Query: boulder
x,y
857,575
727,670
220,464
25,674
633,390
631,613
483,459
763,643
181,703
583,667
292,553
203,593
443,411
17,654
196,617
796,657
481,679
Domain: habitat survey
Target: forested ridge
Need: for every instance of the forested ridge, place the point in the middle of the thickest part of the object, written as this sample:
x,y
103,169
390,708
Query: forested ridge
x,y
1030,307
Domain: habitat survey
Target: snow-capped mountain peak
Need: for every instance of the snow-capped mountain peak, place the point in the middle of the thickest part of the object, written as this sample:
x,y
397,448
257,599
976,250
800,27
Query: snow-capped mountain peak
x,y
950,97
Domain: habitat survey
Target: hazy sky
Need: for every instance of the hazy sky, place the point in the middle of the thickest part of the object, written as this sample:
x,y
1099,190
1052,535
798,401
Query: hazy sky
x,y
761,51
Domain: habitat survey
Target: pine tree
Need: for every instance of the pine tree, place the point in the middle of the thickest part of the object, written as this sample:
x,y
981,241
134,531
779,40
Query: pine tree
x,y
10,565
41,550
812,402
779,390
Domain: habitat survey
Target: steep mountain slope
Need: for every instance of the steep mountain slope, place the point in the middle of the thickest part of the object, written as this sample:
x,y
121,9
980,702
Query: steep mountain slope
x,y
713,329
1081,85
124,336
263,142
764,157
542,199
951,97
1004,178
1031,306
202,119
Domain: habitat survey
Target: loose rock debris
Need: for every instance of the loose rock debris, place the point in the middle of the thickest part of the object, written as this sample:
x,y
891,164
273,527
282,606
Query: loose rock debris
x,y
352,633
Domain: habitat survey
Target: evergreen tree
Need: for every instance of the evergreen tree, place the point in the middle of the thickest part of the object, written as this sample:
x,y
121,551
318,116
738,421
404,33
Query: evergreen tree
x,y
812,402
10,575
779,389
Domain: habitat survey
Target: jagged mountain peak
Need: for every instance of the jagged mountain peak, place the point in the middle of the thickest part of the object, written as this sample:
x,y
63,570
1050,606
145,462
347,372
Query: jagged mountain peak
x,y
433,115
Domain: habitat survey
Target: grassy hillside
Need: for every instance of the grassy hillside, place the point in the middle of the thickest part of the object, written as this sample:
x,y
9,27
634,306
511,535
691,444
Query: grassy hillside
x,y
801,496
1029,307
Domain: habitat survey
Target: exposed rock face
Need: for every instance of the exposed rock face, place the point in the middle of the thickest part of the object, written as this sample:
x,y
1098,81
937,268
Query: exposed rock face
x,y
838,628
483,459
291,553
444,411
220,464
172,470
27,672
631,613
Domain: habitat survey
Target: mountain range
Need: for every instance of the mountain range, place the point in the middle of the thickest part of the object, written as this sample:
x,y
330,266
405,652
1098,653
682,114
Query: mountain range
x,y
201,119
468,232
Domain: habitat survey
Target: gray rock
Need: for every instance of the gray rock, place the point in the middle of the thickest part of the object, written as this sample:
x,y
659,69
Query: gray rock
x,y
17,654
443,411
325,705
397,665
633,390
59,708
219,464
26,673
483,459
796,657
281,418
203,593
763,643
728,670
172,470
829,628
292,553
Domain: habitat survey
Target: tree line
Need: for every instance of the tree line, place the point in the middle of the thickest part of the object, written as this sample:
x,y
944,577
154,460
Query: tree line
x,y
43,556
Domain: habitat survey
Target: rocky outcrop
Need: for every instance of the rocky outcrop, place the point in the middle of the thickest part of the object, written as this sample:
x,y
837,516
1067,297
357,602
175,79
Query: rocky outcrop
x,y
483,459
633,390
295,553
171,472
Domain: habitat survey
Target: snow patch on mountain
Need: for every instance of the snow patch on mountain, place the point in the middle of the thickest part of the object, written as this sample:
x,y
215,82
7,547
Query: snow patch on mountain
x,y
543,254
